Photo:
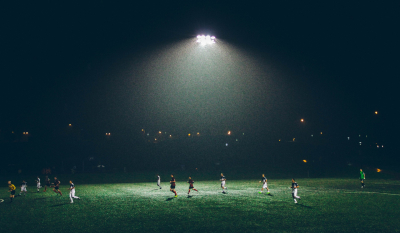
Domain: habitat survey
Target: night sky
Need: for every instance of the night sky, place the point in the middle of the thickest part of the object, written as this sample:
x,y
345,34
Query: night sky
x,y
108,67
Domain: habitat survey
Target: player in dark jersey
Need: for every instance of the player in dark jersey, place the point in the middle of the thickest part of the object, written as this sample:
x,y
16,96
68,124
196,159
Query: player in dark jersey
x,y
11,189
48,184
294,187
56,188
172,182
191,185
362,178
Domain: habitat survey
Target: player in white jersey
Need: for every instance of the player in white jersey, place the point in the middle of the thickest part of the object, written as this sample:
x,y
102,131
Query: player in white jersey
x,y
294,187
158,181
23,187
38,184
223,179
72,191
265,185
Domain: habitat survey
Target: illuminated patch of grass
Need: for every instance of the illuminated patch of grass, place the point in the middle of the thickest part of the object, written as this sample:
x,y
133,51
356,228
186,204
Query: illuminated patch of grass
x,y
327,205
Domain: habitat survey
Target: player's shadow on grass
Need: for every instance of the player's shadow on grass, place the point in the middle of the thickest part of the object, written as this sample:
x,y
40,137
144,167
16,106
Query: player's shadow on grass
x,y
189,196
168,199
59,205
305,206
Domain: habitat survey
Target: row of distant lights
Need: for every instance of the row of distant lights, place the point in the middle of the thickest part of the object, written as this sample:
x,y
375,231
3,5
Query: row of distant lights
x,y
203,40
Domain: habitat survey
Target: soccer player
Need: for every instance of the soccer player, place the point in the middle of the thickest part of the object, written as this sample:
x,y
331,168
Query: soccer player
x,y
223,179
294,187
23,187
362,178
56,188
172,182
11,188
158,181
191,185
47,183
265,185
72,191
38,183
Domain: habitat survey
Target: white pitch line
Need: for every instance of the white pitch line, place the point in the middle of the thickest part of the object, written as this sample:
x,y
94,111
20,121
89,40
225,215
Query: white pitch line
x,y
393,194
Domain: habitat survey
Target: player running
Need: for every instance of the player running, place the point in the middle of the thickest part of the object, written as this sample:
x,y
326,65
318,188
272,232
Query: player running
x,y
362,178
38,183
191,185
24,184
223,179
72,191
158,181
11,188
56,188
265,185
47,184
172,182
294,187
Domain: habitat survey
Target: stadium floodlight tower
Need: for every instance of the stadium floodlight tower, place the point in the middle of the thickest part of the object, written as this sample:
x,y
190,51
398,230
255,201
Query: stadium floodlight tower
x,y
204,40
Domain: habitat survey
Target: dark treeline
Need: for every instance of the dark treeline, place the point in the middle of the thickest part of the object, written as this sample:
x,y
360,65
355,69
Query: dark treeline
x,y
316,156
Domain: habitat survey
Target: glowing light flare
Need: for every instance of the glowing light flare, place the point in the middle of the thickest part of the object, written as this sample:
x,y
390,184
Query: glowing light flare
x,y
204,40
378,170
376,112
69,125
305,161
301,120
229,132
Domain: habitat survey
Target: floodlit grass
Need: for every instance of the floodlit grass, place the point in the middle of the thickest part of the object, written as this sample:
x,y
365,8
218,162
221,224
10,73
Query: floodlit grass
x,y
327,205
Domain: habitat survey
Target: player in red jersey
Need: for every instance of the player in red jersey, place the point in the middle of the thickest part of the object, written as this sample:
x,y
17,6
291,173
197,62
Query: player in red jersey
x,y
191,185
172,182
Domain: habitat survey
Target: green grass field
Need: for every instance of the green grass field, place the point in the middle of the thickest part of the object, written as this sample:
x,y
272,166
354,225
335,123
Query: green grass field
x,y
327,205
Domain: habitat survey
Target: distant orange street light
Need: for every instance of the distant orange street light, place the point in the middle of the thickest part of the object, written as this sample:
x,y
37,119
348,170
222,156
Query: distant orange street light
x,y
305,161
376,112
302,120
378,170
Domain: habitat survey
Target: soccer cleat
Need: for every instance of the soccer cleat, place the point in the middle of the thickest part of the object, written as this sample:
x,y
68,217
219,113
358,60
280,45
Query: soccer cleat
x,y
176,195
71,202
268,193
259,192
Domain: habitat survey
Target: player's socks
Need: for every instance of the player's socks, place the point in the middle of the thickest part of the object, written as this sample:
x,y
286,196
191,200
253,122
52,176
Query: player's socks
x,y
11,199
195,190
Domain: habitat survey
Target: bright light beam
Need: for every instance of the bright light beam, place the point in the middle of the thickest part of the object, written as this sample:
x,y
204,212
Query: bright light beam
x,y
204,40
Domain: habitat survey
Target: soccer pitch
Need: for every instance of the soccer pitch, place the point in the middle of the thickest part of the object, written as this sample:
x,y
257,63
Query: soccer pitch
x,y
326,205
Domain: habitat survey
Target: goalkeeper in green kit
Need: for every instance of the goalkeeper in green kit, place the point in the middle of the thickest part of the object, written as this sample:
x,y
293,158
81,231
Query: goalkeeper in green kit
x,y
362,178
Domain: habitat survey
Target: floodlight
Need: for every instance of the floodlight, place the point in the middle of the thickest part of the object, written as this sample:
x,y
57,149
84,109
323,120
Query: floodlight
x,y
203,40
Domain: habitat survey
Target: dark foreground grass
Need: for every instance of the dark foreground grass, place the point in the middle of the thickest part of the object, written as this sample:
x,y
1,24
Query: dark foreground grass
x,y
327,205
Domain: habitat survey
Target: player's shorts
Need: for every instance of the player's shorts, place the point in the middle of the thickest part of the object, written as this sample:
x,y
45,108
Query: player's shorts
x,y
56,187
172,187
38,185
223,184
265,186
191,187
13,192
47,184
23,189
362,179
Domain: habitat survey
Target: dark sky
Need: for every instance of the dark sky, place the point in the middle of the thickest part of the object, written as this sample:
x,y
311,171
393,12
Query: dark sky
x,y
108,66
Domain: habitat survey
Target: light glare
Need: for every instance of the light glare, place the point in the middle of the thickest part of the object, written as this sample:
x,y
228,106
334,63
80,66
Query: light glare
x,y
203,40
